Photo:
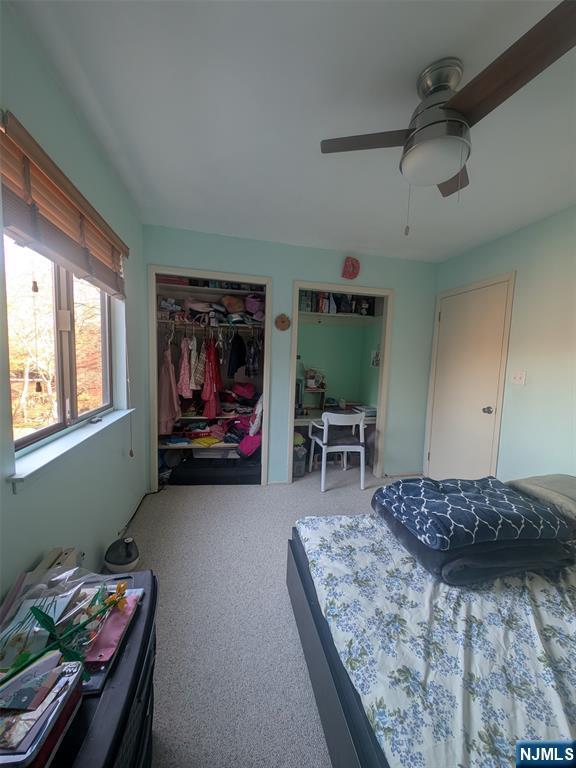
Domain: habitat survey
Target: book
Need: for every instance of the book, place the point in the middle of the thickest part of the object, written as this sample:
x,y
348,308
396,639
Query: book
x,y
21,732
22,635
28,689
56,728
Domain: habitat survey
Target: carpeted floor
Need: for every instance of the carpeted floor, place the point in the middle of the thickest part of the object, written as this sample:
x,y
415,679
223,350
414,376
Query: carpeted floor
x,y
232,688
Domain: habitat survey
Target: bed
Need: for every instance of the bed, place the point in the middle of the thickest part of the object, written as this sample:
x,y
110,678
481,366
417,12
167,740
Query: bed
x,y
408,671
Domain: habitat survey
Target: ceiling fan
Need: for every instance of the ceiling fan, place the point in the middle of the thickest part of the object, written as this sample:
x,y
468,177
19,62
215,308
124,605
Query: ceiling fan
x,y
436,144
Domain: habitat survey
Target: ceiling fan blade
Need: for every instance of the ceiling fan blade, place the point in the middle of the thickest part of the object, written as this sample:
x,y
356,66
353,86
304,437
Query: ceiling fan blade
x,y
364,141
454,184
540,47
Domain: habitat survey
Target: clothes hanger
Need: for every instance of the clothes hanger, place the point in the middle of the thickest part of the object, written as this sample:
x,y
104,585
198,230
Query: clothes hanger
x,y
170,338
220,344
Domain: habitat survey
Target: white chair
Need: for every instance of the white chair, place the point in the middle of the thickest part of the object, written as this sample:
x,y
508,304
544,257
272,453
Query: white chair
x,y
340,443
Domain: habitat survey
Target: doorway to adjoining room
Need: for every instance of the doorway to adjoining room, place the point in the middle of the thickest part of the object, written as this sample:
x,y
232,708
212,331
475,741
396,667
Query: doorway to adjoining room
x,y
339,365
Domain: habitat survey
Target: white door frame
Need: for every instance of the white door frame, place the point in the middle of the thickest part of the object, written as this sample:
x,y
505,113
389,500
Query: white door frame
x,y
156,269
509,278
384,375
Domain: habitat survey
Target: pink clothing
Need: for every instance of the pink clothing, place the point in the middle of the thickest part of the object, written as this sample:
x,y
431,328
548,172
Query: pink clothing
x,y
212,382
168,403
249,444
198,369
184,375
194,364
218,430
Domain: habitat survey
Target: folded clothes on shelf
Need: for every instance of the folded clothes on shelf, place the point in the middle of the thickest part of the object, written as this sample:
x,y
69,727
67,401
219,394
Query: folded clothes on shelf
x,y
205,442
176,440
197,432
218,430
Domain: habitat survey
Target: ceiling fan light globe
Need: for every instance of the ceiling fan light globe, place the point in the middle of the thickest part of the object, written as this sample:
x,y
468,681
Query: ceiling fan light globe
x,y
432,161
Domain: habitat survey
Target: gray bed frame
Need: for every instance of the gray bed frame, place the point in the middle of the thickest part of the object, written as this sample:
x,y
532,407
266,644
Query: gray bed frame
x,y
350,739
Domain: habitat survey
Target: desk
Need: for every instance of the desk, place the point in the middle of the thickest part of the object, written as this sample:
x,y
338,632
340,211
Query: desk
x,y
301,424
303,421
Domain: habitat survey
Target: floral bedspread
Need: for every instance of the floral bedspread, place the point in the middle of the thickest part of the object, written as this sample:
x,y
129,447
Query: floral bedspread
x,y
449,677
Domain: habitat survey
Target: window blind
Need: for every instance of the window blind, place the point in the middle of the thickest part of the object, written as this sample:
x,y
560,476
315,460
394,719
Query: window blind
x,y
42,208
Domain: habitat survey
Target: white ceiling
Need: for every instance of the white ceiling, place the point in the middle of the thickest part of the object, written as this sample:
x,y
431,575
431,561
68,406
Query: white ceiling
x,y
213,113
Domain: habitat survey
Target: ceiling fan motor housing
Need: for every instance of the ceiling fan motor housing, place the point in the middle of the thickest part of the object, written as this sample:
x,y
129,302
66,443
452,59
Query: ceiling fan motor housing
x,y
438,143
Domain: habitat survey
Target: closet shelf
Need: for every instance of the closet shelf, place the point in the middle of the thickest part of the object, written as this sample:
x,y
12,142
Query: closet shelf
x,y
213,418
198,327
190,446
204,289
337,316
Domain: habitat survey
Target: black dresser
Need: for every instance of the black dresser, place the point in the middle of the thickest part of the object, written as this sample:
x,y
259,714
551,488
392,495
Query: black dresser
x,y
113,729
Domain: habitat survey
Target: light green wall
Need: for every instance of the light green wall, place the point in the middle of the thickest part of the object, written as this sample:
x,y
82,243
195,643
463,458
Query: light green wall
x,y
370,376
85,497
538,420
343,352
337,349
413,284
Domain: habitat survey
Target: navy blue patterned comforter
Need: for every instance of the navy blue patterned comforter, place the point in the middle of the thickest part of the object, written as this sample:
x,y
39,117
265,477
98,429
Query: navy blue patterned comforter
x,y
445,514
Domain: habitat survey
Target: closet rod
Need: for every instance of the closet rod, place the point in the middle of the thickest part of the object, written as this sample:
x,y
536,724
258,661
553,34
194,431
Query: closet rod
x,y
198,327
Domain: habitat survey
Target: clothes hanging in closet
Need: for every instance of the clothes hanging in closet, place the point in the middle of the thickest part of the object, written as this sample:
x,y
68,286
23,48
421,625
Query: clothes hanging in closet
x,y
197,373
237,356
252,358
194,359
212,382
184,374
168,402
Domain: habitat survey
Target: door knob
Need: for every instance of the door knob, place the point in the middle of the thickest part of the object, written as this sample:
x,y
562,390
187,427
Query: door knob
x,y
487,409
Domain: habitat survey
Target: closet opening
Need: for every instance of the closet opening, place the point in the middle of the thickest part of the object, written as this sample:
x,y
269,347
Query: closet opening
x,y
209,377
339,363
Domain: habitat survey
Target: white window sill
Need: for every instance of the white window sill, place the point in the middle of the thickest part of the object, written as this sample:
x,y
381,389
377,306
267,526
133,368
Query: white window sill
x,y
38,458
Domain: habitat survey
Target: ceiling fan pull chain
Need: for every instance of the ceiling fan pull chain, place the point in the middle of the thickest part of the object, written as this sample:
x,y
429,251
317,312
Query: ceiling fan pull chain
x,y
407,227
460,172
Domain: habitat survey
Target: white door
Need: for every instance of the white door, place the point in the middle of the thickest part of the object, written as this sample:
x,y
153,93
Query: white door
x,y
467,382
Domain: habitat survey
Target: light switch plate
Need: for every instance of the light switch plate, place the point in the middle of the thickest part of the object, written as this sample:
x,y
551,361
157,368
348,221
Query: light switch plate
x,y
519,378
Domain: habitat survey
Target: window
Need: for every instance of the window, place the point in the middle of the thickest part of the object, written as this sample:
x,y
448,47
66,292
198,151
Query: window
x,y
59,345
63,264
30,293
91,347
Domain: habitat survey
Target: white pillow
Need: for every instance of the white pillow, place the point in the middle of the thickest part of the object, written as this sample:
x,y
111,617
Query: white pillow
x,y
559,490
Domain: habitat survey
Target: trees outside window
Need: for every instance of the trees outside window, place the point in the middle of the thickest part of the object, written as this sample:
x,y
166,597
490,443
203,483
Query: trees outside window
x,y
59,346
